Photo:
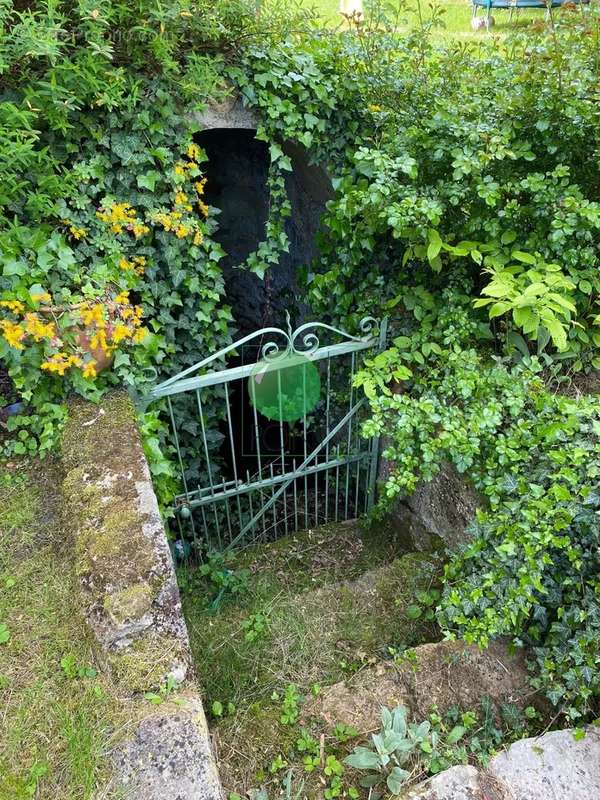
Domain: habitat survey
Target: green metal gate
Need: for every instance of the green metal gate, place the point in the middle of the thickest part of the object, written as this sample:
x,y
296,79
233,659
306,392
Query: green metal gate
x,y
320,470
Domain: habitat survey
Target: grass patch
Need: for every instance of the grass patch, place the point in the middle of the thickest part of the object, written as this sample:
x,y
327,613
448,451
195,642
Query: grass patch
x,y
455,18
60,714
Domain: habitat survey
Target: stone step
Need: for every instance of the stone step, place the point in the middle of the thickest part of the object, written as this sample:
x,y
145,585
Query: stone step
x,y
555,765
311,636
319,556
316,636
444,674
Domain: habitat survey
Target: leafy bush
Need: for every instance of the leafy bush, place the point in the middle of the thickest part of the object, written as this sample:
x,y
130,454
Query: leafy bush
x,y
532,571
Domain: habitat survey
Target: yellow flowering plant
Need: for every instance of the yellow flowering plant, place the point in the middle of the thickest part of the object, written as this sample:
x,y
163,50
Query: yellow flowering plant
x,y
125,280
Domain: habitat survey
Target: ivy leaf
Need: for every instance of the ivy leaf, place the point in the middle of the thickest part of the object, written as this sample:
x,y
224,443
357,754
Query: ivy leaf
x,y
148,181
4,633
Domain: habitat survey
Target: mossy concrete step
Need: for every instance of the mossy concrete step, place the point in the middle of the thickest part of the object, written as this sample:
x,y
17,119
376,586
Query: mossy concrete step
x,y
315,635
338,551
332,598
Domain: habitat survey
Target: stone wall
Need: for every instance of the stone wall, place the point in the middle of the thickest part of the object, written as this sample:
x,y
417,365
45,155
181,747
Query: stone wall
x,y
133,606
439,511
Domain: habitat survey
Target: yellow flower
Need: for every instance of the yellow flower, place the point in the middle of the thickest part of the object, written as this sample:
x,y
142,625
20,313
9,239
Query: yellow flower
x,y
39,329
181,231
193,152
99,342
41,297
139,229
13,333
13,305
119,333
375,109
125,265
179,169
89,370
77,233
198,238
203,208
92,315
140,335
180,198
122,298
60,363
199,186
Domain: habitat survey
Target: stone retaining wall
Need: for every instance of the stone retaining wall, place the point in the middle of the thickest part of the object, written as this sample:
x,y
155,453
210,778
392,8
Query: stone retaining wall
x,y
134,608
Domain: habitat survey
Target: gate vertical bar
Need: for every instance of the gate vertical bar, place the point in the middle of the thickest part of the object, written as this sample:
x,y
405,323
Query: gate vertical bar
x,y
233,458
208,467
349,441
282,448
180,459
327,448
305,442
376,441
257,440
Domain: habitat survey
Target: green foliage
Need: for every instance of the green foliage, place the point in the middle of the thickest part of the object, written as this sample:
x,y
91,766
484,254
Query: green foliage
x,y
255,626
290,708
71,669
222,581
532,571
165,691
402,749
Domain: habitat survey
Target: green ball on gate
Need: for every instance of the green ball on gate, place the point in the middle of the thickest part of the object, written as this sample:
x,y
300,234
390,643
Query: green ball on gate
x,y
286,388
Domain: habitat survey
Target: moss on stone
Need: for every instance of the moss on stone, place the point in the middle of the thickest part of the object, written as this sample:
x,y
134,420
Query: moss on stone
x,y
144,665
130,603
110,431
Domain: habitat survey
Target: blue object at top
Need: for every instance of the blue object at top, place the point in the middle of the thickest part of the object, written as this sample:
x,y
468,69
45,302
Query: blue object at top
x,y
523,3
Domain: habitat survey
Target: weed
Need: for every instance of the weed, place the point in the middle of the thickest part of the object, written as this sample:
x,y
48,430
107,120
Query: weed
x,y
290,710
343,732
165,692
73,670
255,626
219,709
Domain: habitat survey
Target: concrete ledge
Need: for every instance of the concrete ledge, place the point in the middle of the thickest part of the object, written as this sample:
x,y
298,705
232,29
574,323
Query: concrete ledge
x,y
134,608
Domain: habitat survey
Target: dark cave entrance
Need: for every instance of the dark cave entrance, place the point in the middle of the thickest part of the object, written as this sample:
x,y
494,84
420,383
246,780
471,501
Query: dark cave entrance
x,y
236,172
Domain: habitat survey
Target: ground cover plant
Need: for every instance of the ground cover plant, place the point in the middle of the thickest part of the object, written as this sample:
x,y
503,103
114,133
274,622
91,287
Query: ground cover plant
x,y
466,209
60,712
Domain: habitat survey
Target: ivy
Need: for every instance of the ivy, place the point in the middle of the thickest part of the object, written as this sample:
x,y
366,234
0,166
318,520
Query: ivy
x,y
532,570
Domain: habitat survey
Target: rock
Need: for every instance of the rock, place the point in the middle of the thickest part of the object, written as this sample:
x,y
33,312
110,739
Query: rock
x,y
550,767
440,509
230,113
456,783
554,765
444,674
169,758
